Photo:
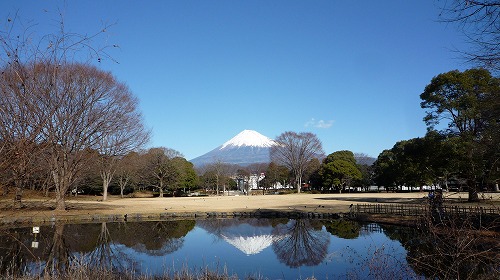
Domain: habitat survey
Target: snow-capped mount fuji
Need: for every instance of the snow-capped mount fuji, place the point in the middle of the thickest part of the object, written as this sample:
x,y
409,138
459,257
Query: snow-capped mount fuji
x,y
246,148
249,138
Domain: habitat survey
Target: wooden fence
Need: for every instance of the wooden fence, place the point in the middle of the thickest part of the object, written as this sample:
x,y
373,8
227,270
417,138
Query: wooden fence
x,y
419,210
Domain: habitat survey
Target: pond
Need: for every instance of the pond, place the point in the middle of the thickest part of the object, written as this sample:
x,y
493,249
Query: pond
x,y
260,248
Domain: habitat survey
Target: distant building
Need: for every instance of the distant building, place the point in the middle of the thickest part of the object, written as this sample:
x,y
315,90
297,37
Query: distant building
x,y
254,179
249,183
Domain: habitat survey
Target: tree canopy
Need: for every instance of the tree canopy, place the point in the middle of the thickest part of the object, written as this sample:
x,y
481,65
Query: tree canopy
x,y
430,160
339,169
465,105
479,21
295,151
64,107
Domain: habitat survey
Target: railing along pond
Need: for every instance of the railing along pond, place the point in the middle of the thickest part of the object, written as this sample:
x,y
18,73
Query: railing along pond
x,y
418,210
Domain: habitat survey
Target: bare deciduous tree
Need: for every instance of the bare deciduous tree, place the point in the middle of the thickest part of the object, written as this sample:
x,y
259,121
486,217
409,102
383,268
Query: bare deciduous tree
x,y
127,135
479,21
67,107
87,109
20,126
160,164
221,172
295,151
126,171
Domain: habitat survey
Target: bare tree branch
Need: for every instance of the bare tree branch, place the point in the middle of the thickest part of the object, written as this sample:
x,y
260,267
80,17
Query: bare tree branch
x,y
295,151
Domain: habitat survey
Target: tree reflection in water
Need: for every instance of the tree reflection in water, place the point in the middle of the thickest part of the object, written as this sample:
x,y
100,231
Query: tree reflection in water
x,y
454,253
163,237
303,243
94,246
12,251
362,251
153,238
105,255
59,255
343,228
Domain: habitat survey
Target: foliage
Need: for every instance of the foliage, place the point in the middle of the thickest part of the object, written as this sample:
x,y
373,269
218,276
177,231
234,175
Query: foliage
x,y
311,175
275,173
430,160
187,178
466,103
366,176
343,228
166,168
458,99
339,169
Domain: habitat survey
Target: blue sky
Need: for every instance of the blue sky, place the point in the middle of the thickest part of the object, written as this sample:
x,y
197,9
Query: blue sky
x,y
349,71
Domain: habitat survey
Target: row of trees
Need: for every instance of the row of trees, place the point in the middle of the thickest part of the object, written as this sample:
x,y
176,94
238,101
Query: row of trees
x,y
157,169
463,113
58,116
65,124
462,145
333,173
57,113
463,139
165,170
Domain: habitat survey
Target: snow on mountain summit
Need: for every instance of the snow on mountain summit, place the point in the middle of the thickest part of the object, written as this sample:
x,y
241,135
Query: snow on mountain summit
x,y
249,138
246,148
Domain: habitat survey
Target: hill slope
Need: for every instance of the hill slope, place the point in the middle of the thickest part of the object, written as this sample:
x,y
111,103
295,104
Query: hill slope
x,y
246,148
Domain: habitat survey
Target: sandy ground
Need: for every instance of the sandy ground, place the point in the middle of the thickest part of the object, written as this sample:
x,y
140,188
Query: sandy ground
x,y
85,206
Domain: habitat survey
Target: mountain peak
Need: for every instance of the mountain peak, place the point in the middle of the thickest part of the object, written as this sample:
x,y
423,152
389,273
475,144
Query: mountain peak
x,y
246,148
249,138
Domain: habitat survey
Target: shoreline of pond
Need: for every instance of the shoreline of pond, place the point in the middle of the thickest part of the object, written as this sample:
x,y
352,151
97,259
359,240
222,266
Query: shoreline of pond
x,y
137,217
165,216
382,219
326,206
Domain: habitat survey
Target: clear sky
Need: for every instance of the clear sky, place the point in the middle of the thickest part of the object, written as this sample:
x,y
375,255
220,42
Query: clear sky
x,y
349,71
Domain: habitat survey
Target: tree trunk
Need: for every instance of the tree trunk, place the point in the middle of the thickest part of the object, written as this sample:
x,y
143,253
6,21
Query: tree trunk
x,y
105,185
106,179
106,176
160,186
60,189
18,204
122,182
60,203
121,190
62,174
299,183
473,192
58,257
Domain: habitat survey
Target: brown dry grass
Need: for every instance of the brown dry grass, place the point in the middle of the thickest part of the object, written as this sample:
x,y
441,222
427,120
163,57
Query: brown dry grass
x,y
35,205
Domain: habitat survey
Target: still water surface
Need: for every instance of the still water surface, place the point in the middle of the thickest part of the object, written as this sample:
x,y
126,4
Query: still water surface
x,y
268,248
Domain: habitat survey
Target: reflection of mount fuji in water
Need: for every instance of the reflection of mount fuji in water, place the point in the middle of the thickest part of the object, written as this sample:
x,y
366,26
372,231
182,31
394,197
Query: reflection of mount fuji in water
x,y
248,239
249,236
